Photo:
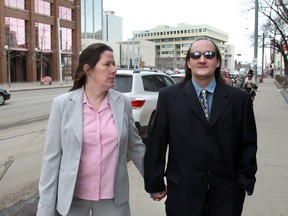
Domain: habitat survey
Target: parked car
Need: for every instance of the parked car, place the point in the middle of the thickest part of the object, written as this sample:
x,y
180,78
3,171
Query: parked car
x,y
4,95
225,76
142,86
178,77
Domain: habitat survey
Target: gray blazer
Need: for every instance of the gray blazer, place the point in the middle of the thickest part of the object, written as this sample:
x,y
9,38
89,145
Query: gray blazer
x,y
63,150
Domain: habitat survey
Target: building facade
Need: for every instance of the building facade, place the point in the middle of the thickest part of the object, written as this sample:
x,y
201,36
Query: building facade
x,y
112,27
39,38
91,19
172,43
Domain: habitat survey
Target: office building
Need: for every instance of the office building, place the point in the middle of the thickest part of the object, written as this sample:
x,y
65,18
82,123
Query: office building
x,y
172,43
34,35
91,19
112,27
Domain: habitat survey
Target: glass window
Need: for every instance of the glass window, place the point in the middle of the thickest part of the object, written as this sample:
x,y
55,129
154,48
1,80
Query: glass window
x,y
65,13
15,32
148,83
66,39
20,4
154,83
123,83
43,37
42,7
91,19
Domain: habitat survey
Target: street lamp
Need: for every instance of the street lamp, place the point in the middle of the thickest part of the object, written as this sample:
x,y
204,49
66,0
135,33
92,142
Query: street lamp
x,y
138,62
59,42
7,50
256,39
262,68
41,62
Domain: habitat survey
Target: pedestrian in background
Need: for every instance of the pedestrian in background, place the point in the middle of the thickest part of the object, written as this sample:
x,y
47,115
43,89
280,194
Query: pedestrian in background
x,y
210,137
250,84
90,135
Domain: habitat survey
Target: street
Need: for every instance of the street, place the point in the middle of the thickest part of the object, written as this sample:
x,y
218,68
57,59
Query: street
x,y
21,154
22,132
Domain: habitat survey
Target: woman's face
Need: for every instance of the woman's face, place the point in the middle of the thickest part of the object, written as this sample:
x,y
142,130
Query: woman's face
x,y
103,73
203,68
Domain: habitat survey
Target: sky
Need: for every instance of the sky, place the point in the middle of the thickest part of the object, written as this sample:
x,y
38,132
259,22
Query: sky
x,y
225,15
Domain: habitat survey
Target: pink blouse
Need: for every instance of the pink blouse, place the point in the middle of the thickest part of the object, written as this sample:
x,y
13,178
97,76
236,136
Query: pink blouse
x,y
97,169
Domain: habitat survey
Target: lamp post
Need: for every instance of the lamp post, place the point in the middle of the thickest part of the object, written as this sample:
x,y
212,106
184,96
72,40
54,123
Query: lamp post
x,y
138,62
37,50
7,49
256,39
59,43
134,63
59,49
263,46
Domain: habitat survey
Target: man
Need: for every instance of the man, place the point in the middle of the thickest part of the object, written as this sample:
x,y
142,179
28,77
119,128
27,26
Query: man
x,y
211,162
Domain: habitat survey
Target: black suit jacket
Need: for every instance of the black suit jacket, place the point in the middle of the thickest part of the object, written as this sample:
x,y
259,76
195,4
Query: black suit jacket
x,y
219,154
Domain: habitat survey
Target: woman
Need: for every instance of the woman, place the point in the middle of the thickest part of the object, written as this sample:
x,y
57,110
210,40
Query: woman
x,y
90,134
250,84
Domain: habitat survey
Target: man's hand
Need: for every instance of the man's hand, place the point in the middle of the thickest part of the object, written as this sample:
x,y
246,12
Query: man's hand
x,y
158,196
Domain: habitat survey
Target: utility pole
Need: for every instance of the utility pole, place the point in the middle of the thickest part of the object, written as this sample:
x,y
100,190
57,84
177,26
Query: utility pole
x,y
256,40
263,46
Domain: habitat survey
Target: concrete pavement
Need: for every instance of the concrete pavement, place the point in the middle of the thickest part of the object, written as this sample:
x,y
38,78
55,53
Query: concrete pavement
x,y
25,86
270,196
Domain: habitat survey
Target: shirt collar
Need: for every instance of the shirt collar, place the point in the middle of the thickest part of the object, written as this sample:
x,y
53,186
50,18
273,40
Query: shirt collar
x,y
105,103
210,88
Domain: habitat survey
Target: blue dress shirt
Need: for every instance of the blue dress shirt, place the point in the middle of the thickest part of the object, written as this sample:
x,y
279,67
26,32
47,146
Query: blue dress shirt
x,y
209,89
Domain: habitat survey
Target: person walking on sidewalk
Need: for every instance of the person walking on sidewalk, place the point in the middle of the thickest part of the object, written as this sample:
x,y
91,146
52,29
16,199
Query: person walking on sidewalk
x,y
250,85
210,131
90,135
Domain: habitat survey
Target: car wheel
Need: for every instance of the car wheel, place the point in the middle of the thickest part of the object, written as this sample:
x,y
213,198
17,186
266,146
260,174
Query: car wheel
x,y
2,99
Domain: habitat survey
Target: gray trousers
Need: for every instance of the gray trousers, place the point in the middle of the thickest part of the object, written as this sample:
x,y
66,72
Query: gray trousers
x,y
97,208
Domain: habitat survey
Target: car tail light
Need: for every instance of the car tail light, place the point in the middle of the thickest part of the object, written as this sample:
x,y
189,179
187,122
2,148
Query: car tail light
x,y
137,102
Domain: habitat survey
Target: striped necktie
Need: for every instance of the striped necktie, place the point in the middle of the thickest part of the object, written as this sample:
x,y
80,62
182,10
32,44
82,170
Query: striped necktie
x,y
204,103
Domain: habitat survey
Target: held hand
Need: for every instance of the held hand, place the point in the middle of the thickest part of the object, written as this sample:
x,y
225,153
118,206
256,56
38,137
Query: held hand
x,y
158,196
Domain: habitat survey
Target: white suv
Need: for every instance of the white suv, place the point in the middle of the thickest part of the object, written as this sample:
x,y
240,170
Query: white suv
x,y
142,86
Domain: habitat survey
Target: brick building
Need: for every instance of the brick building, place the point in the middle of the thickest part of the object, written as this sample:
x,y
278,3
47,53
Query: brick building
x,y
33,35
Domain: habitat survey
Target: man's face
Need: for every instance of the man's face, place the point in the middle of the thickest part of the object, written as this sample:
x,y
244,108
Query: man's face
x,y
203,60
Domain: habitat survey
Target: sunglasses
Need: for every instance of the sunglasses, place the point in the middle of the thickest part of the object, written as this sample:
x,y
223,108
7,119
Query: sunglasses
x,y
207,55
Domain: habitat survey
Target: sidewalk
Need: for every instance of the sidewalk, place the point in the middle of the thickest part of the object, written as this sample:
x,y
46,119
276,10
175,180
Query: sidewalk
x,y
24,86
270,196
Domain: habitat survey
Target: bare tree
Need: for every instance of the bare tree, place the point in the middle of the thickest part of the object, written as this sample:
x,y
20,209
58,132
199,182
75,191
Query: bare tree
x,y
275,26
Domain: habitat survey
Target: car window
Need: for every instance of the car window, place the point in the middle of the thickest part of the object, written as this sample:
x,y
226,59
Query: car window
x,y
159,82
168,80
123,83
154,83
178,79
148,83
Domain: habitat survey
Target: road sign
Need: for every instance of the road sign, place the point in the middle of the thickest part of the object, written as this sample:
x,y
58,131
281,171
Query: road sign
x,y
254,61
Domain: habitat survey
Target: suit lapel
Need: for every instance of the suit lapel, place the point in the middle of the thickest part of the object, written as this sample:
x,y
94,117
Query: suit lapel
x,y
117,107
192,100
221,100
74,112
